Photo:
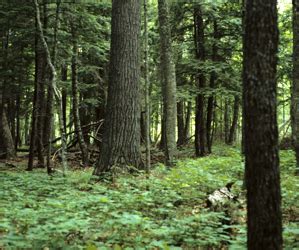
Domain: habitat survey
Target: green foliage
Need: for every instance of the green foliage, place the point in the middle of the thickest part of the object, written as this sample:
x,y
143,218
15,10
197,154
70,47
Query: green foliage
x,y
165,211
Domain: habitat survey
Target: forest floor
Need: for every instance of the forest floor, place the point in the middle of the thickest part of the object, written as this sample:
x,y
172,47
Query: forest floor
x,y
166,210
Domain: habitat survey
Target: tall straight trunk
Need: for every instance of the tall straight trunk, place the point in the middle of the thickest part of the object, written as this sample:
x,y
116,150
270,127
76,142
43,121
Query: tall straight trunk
x,y
181,123
147,90
76,116
168,83
121,138
262,173
7,149
226,120
18,122
41,99
64,95
32,143
187,121
295,83
210,107
52,82
200,126
48,122
233,128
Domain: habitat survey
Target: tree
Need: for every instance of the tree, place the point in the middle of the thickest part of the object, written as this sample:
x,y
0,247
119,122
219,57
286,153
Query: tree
x,y
295,83
261,133
75,98
200,126
7,149
168,83
121,138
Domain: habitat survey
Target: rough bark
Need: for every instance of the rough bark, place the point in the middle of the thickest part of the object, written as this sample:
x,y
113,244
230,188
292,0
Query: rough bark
x,y
168,83
121,138
295,83
200,126
261,133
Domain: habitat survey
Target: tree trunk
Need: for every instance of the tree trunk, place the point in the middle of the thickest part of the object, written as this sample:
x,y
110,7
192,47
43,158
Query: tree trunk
x,y
210,108
181,123
7,149
52,83
147,90
200,129
77,121
295,84
168,83
264,221
121,138
226,121
233,128
64,95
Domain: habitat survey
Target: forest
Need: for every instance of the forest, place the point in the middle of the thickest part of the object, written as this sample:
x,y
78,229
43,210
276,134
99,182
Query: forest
x,y
149,124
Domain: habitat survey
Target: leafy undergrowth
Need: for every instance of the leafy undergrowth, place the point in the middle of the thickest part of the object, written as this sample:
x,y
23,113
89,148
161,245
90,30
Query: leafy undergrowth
x,y
165,211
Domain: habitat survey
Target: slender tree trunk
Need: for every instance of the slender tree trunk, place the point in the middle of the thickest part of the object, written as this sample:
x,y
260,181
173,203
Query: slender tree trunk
x,y
264,221
77,121
147,94
7,149
181,124
210,107
52,82
168,83
187,121
233,128
295,84
64,95
200,129
226,121
121,138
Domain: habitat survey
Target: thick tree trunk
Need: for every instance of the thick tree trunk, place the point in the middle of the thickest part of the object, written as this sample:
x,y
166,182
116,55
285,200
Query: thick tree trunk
x,y
168,83
200,125
233,128
77,121
295,85
261,133
121,138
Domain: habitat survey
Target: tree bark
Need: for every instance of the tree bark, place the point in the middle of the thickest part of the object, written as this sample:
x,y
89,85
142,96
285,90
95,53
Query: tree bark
x,y
264,221
7,149
77,121
168,83
121,138
295,83
52,83
200,126
213,78
233,128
